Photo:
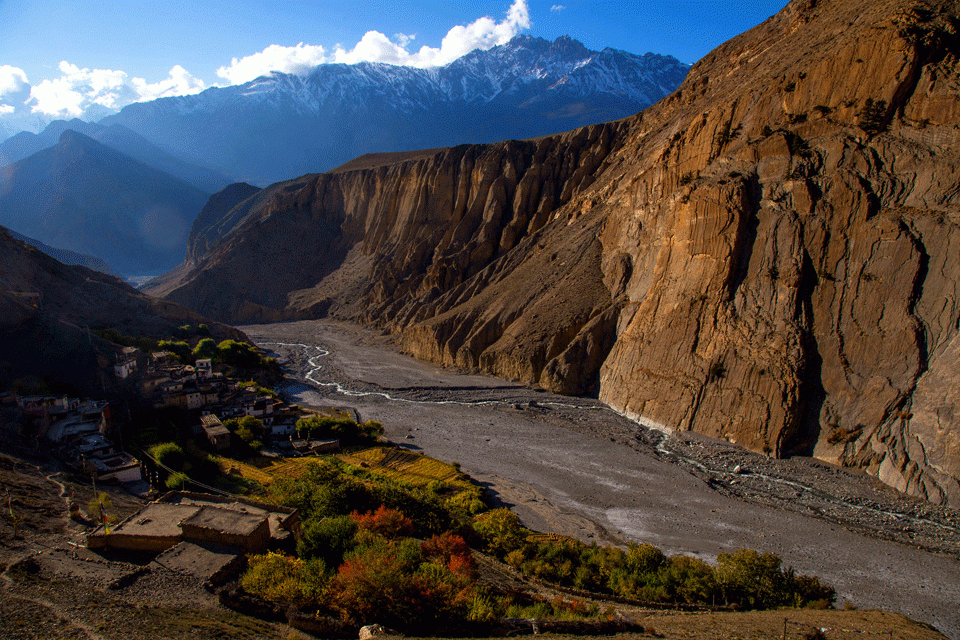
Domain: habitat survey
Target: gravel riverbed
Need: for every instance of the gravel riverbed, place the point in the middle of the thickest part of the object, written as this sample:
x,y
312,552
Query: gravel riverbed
x,y
573,466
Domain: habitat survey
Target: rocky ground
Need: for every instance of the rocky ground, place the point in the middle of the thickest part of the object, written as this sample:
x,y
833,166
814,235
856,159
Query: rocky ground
x,y
52,588
572,466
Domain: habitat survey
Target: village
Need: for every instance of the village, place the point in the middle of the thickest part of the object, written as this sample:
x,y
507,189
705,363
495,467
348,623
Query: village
x,y
87,435
205,533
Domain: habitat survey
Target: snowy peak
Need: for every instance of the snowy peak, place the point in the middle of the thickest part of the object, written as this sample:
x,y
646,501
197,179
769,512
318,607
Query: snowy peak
x,y
283,125
477,76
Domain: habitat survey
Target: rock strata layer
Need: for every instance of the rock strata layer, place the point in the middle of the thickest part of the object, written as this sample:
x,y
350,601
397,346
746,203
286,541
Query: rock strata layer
x,y
766,256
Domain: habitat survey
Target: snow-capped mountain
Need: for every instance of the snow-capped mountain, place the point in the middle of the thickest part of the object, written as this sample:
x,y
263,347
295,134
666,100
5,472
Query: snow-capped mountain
x,y
281,125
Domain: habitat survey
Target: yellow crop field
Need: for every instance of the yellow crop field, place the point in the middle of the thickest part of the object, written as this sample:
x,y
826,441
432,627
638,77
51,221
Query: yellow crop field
x,y
387,462
405,466
229,465
290,467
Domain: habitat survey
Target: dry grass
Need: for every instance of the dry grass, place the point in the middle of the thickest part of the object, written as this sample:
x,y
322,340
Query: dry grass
x,y
769,625
389,462
750,625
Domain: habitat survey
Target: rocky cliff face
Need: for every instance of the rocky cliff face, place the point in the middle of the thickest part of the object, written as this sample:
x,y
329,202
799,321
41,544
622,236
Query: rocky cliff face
x,y
766,256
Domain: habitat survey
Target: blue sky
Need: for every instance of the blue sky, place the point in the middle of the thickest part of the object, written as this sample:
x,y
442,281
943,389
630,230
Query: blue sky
x,y
70,56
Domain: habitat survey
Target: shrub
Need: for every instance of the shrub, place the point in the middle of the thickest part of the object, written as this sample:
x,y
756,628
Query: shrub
x,y
377,584
687,579
644,558
169,454
717,371
500,531
453,551
752,580
329,539
872,116
386,522
177,481
369,585
280,578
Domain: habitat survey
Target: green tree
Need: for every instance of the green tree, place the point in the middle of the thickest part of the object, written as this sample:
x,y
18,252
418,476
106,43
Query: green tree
x,y
284,579
501,531
329,539
206,348
177,481
238,354
169,454
179,348
751,579
872,117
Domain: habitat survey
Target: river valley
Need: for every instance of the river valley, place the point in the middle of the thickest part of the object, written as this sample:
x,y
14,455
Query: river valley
x,y
574,467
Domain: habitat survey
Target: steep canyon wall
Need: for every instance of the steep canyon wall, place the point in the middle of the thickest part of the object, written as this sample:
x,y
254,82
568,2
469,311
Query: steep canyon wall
x,y
769,255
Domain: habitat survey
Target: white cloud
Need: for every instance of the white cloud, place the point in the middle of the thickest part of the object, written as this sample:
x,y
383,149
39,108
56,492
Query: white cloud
x,y
12,80
557,7
80,92
296,59
178,83
77,90
374,46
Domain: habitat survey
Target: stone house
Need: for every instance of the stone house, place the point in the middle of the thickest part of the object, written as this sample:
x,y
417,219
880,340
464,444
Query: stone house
x,y
217,434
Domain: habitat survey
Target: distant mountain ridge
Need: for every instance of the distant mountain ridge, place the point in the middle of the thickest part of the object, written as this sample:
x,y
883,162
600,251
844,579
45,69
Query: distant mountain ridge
x,y
70,258
47,308
117,137
85,197
281,126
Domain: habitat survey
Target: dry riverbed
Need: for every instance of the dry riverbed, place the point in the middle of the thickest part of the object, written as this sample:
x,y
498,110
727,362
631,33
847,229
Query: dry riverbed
x,y
572,466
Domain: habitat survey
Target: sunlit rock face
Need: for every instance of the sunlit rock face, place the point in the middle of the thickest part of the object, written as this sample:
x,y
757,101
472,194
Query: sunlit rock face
x,y
769,255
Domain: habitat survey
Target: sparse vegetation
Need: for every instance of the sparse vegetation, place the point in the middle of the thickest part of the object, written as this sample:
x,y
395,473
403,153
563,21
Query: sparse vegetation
x,y
872,117
839,435
717,371
372,544
797,145
347,431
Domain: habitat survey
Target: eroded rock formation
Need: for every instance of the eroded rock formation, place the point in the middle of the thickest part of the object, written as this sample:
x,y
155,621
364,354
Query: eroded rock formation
x,y
769,255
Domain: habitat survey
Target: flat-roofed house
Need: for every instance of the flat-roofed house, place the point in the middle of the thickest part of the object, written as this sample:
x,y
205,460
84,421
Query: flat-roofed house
x,y
217,434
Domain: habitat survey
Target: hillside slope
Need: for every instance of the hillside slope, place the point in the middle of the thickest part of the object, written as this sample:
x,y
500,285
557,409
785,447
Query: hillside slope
x,y
767,256
47,309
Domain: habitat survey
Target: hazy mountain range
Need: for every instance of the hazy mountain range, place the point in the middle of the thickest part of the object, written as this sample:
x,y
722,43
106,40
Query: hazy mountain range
x,y
128,188
280,126
83,196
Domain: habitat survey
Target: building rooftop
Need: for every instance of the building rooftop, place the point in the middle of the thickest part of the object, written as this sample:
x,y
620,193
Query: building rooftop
x,y
115,461
225,520
202,560
157,519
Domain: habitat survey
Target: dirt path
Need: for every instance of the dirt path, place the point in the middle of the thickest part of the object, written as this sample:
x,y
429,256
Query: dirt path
x,y
571,466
